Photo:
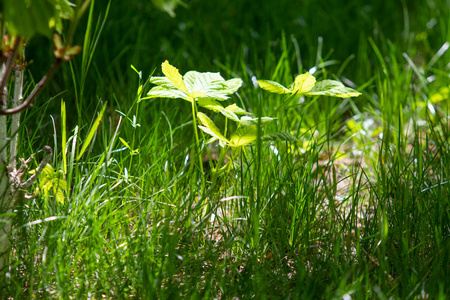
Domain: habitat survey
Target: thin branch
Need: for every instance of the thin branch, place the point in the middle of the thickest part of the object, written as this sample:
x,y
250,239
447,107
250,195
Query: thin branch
x,y
41,84
9,63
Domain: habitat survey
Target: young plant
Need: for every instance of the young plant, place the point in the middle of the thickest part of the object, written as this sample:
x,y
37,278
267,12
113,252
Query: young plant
x,y
200,89
207,90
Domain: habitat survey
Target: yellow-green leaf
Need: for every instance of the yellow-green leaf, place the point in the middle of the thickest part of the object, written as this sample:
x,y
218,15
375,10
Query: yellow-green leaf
x,y
196,94
237,110
210,104
210,128
332,88
174,76
273,87
303,83
244,136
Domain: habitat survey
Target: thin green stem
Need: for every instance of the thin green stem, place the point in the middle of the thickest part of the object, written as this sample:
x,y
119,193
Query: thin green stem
x,y
197,141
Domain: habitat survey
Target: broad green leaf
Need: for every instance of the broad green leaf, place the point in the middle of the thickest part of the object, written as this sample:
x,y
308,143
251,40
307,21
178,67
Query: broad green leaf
x,y
230,115
203,82
248,121
333,88
273,87
59,196
48,171
90,136
27,18
196,94
212,84
193,85
162,92
237,110
163,82
210,128
174,76
49,180
243,136
210,104
231,86
279,136
303,83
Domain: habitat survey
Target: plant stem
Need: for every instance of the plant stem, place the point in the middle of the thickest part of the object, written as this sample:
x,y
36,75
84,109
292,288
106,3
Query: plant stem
x,y
197,142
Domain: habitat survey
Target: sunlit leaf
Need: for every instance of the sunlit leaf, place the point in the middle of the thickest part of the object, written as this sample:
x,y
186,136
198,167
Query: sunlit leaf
x,y
231,86
303,83
203,82
197,94
237,110
212,84
210,104
162,92
210,128
193,85
51,181
174,76
59,196
230,115
248,121
333,88
273,87
244,136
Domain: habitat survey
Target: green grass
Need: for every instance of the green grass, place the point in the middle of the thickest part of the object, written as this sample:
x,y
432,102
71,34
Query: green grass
x,y
359,205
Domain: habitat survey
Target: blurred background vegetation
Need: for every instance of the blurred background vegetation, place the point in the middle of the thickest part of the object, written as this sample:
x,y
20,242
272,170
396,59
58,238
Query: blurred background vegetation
x,y
206,35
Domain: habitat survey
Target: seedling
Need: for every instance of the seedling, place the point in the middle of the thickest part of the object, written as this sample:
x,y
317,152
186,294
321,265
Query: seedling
x,y
207,90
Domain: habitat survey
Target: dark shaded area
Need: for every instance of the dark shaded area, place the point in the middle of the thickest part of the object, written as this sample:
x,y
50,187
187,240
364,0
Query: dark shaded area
x,y
210,32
